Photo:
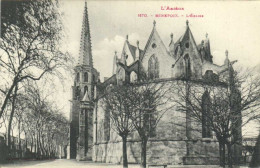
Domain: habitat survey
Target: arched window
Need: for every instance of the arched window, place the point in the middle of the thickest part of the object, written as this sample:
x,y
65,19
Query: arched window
x,y
93,78
78,77
85,89
187,66
85,77
206,115
153,67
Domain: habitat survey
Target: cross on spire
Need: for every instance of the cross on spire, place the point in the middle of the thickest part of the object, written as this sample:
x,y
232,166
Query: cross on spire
x,y
226,53
187,22
154,23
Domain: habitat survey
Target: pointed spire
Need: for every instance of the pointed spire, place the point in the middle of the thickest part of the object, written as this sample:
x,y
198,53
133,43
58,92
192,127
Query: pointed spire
x,y
171,45
227,59
137,52
206,35
115,63
126,37
85,53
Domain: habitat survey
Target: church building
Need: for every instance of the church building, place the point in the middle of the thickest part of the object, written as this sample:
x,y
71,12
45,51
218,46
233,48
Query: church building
x,y
91,136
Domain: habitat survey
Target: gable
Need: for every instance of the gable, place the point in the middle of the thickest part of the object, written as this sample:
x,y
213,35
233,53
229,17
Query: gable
x,y
188,48
156,47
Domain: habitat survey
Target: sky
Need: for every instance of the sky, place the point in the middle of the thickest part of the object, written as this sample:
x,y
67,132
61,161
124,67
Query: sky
x,y
232,26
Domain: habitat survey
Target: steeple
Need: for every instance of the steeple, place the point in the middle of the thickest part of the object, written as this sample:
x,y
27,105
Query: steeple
x,y
85,54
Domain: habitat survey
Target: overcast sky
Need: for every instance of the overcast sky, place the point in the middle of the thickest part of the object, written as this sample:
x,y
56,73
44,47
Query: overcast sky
x,y
230,25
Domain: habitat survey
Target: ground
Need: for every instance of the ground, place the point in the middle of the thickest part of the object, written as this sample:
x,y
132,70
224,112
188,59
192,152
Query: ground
x,y
62,163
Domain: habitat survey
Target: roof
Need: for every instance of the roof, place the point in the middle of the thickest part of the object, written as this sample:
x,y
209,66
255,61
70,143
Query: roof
x,y
133,49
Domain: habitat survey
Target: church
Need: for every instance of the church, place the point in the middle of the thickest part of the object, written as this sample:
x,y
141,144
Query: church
x,y
91,136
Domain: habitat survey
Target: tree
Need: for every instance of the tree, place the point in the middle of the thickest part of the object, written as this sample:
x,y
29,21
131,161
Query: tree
x,y
31,33
220,107
149,100
118,103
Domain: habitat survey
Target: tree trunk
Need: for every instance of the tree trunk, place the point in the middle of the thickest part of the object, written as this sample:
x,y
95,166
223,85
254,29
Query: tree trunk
x,y
143,152
19,138
222,155
229,148
32,144
125,162
37,146
10,121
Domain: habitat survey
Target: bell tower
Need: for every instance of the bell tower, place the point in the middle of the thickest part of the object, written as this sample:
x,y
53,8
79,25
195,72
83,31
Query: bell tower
x,y
85,79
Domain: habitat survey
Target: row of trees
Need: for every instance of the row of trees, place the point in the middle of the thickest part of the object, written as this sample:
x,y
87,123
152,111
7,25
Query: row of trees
x,y
222,107
38,123
30,46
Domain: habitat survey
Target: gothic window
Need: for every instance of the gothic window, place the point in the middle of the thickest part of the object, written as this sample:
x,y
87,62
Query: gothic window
x,y
206,115
85,77
85,89
153,67
78,77
187,45
77,93
187,66
93,78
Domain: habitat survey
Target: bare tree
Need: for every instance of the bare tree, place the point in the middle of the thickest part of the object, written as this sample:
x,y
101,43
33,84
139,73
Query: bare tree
x,y
150,104
118,103
220,107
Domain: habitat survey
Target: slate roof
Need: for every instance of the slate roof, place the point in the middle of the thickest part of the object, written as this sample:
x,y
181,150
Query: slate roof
x,y
133,49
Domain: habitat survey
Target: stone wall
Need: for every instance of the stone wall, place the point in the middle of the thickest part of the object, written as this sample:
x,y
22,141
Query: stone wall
x,y
169,152
169,146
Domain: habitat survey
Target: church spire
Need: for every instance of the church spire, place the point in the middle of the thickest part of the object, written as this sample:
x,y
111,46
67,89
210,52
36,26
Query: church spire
x,y
85,54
